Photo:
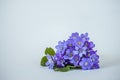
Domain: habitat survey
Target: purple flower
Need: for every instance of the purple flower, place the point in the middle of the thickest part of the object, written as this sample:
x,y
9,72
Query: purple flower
x,y
90,52
74,36
94,58
59,60
85,36
79,42
69,54
70,43
61,47
86,63
50,62
95,66
81,51
75,60
89,45
92,45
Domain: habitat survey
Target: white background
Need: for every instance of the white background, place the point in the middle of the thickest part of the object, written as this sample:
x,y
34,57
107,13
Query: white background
x,y
27,27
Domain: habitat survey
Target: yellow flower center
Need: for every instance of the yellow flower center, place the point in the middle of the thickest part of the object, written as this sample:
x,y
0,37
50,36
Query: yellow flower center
x,y
70,44
88,54
93,59
76,59
79,43
86,63
70,55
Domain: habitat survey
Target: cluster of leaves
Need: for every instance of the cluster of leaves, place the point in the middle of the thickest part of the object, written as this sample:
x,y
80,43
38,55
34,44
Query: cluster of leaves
x,y
51,52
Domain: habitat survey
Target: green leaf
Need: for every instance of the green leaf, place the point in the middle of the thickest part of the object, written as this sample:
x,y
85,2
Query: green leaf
x,y
71,67
43,61
65,69
50,51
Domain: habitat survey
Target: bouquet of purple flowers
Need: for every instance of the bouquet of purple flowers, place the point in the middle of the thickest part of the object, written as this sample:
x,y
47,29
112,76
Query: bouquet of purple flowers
x,y
75,53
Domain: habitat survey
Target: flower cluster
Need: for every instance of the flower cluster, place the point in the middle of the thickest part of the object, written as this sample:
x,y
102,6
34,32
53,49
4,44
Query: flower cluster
x,y
77,51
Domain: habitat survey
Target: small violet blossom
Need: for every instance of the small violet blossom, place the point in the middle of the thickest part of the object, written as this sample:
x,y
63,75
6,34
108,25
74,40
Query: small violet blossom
x,y
86,63
50,62
75,60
